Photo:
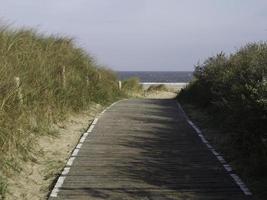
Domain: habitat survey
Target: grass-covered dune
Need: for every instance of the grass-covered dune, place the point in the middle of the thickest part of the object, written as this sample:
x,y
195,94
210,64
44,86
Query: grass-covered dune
x,y
42,78
233,91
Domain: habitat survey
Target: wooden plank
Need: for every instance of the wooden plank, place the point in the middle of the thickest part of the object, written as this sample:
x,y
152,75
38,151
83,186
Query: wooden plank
x,y
145,149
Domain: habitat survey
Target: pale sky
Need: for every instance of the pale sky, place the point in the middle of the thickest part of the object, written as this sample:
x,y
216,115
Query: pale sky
x,y
146,34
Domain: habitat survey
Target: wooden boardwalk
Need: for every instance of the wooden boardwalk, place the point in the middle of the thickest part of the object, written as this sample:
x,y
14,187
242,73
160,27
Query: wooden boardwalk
x,y
146,150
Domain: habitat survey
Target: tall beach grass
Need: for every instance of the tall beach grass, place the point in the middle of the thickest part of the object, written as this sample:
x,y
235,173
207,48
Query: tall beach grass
x,y
42,78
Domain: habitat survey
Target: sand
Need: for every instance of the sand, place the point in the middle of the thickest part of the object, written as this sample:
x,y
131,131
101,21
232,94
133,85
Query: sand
x,y
173,87
51,154
161,95
170,92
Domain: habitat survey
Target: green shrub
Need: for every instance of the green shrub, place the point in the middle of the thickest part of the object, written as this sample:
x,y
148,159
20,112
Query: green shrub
x,y
234,89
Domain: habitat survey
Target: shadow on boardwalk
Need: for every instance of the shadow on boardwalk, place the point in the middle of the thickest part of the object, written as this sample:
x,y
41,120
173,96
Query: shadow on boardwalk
x,y
150,152
172,158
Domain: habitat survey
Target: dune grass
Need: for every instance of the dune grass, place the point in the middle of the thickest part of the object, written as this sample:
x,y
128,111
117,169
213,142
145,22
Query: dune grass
x,y
3,187
132,86
43,78
157,88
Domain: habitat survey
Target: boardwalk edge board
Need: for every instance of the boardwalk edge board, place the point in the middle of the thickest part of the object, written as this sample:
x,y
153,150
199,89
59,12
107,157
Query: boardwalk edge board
x,y
75,152
220,158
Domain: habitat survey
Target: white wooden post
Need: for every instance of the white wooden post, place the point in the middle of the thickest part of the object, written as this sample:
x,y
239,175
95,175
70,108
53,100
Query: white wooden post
x,y
63,77
49,114
87,81
119,85
19,91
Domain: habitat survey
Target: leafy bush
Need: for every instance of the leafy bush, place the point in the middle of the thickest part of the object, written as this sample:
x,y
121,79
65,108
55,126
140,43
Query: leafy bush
x,y
234,89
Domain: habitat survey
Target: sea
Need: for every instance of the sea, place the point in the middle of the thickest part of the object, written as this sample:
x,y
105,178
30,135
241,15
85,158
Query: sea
x,y
157,76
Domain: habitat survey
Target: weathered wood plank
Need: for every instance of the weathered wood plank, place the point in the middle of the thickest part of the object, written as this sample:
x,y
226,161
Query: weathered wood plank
x,y
145,149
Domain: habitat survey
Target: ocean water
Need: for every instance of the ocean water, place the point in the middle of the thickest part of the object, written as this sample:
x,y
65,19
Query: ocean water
x,y
157,77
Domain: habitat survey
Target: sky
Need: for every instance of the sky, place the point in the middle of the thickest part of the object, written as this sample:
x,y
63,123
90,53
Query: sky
x,y
146,35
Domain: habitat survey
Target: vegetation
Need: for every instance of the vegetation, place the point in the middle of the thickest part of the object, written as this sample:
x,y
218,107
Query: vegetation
x,y
43,78
233,90
3,187
156,88
132,86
